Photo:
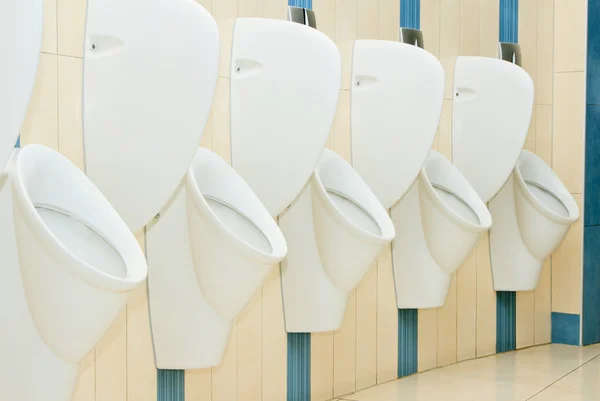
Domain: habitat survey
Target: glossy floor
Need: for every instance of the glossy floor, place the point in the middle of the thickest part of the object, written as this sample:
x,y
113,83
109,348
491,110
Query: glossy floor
x,y
546,373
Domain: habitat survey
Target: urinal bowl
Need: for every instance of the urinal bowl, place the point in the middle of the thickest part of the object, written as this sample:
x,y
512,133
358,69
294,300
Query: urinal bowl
x,y
208,252
78,258
335,230
532,213
438,223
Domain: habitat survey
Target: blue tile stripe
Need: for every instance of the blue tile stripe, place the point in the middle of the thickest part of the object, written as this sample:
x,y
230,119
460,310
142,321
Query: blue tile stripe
x,y
506,301
591,234
506,321
410,14
298,367
171,385
408,341
18,144
565,328
301,3
509,21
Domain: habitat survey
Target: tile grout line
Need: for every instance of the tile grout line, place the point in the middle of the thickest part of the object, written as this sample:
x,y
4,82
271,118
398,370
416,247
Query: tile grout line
x,y
562,377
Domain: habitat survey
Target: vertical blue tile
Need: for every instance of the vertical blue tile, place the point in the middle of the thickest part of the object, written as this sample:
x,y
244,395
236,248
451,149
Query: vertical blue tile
x,y
18,144
301,3
298,367
171,385
593,53
506,321
592,166
410,14
591,285
565,328
408,324
509,21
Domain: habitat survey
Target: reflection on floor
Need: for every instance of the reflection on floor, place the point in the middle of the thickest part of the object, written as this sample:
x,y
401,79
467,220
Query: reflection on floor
x,y
547,373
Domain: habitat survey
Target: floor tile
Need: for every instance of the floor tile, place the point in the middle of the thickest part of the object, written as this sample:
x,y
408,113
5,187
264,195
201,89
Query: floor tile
x,y
586,378
566,394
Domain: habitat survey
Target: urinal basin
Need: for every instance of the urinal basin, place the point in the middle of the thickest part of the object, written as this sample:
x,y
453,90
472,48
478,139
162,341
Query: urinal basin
x,y
545,208
453,215
351,226
78,258
235,242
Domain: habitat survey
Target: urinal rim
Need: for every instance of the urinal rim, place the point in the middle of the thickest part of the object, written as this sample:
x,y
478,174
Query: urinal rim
x,y
480,209
136,267
569,202
273,233
388,232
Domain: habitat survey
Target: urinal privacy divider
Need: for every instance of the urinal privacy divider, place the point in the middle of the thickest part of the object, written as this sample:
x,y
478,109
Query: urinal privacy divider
x,y
148,89
20,42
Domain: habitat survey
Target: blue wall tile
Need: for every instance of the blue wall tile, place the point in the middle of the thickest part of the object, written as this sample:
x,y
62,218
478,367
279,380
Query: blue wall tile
x,y
565,328
410,14
593,53
408,336
591,285
18,144
592,166
301,3
506,321
509,21
298,367
171,385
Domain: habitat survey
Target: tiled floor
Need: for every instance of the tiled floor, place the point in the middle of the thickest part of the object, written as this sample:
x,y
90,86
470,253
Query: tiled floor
x,y
547,373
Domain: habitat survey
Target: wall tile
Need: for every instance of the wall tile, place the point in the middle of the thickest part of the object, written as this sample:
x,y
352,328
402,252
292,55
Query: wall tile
x,y
593,53
469,28
530,141
344,351
346,19
489,27
427,335
565,328
543,132
325,11
225,376
449,41
274,340
368,19
525,321
71,27
509,21
366,330
221,138
486,300
528,10
50,29
430,25
85,390
299,367
250,8
567,155
41,120
225,12
321,366
446,339
70,125
250,349
197,385
569,35
566,269
545,51
389,17
387,320
591,285
592,166
466,308
410,14
346,48
111,362
343,144
543,307
276,9
506,321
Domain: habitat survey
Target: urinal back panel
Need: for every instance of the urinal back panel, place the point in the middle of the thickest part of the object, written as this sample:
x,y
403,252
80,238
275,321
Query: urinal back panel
x,y
493,102
20,42
396,103
148,87
285,82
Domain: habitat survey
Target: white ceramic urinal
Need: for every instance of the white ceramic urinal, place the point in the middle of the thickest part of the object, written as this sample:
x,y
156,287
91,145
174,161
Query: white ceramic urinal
x,y
531,208
77,260
147,90
20,43
397,97
215,243
532,213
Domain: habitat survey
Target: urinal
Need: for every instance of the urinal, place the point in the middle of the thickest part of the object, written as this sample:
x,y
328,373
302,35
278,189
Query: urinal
x,y
221,242
531,208
77,260
533,212
397,96
216,240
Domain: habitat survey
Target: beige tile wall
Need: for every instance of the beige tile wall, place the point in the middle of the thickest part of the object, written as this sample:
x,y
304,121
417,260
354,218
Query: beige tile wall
x,y
364,351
